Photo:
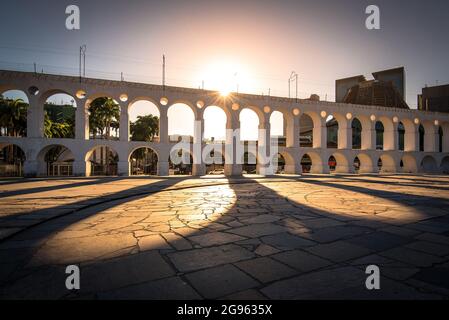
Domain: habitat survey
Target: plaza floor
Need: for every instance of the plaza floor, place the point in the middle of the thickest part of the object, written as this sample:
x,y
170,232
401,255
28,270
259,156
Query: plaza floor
x,y
284,237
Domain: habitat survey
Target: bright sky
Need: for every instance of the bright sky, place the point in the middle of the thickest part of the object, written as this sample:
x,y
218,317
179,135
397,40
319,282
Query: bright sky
x,y
250,44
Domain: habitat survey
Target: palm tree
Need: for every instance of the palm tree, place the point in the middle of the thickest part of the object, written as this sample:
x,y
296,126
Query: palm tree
x,y
144,128
104,116
13,114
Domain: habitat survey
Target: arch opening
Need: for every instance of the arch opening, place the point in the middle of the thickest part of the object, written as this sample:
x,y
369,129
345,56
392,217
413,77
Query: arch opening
x,y
249,125
306,131
277,128
422,133
14,106
103,161
12,159
58,160
332,163
279,163
356,164
356,126
181,121
379,135
332,132
429,165
445,165
214,125
215,163
104,119
59,117
249,165
143,161
180,162
401,136
144,120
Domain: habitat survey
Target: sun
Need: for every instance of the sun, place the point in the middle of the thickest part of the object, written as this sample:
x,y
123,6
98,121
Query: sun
x,y
225,76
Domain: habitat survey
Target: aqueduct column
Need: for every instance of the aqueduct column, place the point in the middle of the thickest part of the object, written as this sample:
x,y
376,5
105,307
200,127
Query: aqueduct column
x,y
411,138
163,124
124,122
344,134
368,135
431,138
198,167
319,133
231,167
81,121
35,118
292,132
263,148
391,137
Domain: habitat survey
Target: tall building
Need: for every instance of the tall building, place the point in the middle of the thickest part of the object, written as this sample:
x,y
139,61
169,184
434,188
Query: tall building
x,y
434,99
387,89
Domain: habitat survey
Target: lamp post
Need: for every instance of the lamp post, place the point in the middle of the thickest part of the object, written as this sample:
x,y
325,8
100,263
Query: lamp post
x,y
293,77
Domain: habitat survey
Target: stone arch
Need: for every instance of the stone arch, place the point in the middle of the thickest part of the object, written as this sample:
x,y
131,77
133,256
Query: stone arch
x,y
256,109
250,124
188,113
409,164
401,136
103,160
55,160
308,121
181,162
356,131
111,133
316,163
215,162
12,159
380,135
421,135
445,165
342,163
334,124
59,117
143,160
17,107
388,134
144,117
289,162
366,163
387,164
429,164
215,122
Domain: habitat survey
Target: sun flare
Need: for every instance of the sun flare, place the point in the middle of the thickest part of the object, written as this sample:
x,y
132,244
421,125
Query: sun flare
x,y
225,76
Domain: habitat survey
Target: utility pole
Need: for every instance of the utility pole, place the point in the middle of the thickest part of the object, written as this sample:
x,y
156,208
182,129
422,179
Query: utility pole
x,y
293,77
35,68
82,62
163,71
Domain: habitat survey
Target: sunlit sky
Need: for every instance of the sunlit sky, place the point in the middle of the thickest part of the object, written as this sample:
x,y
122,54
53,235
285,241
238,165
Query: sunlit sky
x,y
252,45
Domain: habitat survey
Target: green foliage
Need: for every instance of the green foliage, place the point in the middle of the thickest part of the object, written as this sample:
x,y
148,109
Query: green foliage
x,y
104,116
144,128
13,117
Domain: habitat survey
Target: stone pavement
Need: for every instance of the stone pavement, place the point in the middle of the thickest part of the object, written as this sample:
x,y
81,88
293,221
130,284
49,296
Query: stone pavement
x,y
285,237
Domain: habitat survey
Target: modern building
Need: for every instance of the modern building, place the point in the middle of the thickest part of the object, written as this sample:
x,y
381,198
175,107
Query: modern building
x,y
434,99
386,89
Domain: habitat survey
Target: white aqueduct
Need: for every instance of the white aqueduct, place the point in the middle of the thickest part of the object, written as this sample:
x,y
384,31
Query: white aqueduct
x,y
434,158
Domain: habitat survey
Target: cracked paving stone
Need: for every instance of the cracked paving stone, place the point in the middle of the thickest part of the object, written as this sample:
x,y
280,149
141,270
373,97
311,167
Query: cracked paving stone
x,y
266,269
215,238
410,256
165,289
339,251
220,281
258,230
379,241
301,260
196,259
123,271
286,241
